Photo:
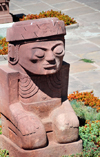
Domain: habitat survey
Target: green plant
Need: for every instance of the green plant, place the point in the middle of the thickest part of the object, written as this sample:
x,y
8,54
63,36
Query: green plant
x,y
85,112
4,153
87,60
87,97
1,37
90,134
67,20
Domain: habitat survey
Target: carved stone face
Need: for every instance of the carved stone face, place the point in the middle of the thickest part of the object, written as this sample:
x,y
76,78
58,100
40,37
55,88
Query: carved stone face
x,y
42,57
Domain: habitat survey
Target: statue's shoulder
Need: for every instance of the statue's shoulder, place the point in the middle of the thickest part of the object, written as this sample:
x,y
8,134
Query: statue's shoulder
x,y
7,72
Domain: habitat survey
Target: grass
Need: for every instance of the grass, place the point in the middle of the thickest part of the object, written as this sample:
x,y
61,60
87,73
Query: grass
x,y
87,60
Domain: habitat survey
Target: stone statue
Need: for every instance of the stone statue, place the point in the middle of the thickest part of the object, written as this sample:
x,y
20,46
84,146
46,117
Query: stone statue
x,y
5,17
34,106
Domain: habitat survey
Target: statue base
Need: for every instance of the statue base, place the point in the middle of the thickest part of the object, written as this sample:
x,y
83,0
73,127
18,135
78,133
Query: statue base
x,y
6,18
53,149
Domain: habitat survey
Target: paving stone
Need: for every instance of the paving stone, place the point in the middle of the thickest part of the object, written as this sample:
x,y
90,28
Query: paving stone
x,y
69,58
85,1
68,5
89,77
3,62
37,8
95,40
13,6
82,23
72,38
96,93
76,85
82,49
79,11
96,86
91,17
24,2
98,62
55,1
88,32
81,66
95,56
1,57
95,4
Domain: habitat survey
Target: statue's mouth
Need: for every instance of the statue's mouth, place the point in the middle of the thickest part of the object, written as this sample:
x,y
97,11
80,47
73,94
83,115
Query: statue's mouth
x,y
49,67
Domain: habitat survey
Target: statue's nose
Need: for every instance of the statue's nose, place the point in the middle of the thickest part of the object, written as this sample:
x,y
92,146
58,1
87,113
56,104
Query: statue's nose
x,y
50,57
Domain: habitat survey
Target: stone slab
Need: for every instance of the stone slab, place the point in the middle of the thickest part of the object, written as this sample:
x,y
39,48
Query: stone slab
x,y
79,11
68,5
94,4
82,49
37,8
76,84
13,6
53,149
91,17
3,62
72,38
69,58
95,56
85,1
87,32
3,57
96,86
55,1
81,66
24,2
95,40
89,77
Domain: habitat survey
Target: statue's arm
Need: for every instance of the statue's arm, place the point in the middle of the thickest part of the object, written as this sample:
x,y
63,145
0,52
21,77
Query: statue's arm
x,y
8,88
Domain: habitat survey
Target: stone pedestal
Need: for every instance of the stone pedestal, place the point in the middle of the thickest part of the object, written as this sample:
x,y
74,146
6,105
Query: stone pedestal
x,y
5,17
52,150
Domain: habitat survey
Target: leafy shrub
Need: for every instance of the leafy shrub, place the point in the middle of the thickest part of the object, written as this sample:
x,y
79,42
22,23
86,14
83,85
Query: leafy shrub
x,y
67,20
4,153
85,112
90,134
3,46
87,97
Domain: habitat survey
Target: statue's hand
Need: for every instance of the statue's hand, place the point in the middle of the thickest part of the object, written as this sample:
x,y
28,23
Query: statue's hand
x,y
31,131
65,123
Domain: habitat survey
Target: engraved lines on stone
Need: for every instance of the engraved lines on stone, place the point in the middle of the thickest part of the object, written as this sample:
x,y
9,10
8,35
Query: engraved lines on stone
x,y
54,81
3,6
27,88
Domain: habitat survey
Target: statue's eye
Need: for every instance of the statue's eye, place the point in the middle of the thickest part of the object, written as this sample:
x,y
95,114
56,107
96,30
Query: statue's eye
x,y
59,50
59,53
39,56
39,53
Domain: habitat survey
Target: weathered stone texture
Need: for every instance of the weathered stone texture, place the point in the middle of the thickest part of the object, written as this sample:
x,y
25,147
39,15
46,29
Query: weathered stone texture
x,y
36,116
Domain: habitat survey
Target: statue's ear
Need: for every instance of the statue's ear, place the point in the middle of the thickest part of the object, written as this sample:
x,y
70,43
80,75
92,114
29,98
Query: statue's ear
x,y
13,53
